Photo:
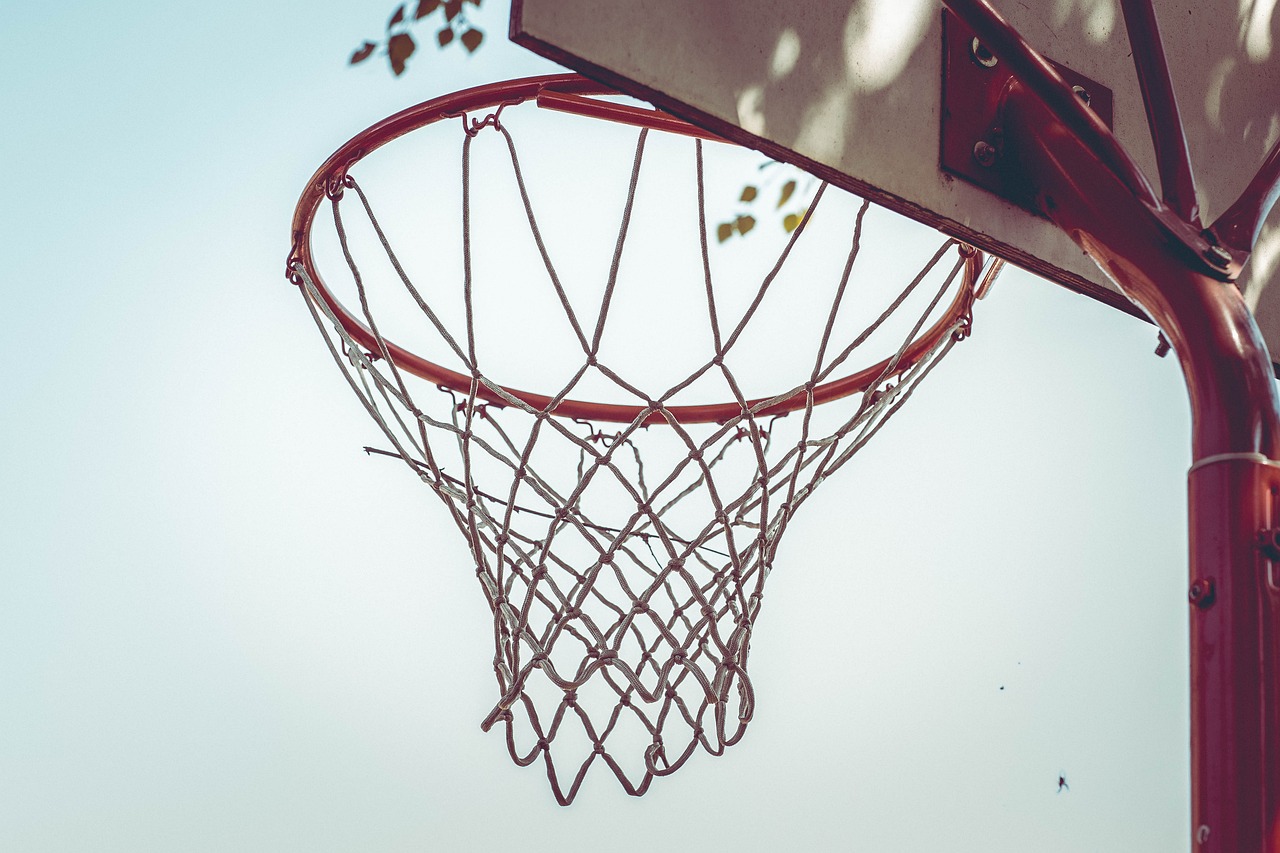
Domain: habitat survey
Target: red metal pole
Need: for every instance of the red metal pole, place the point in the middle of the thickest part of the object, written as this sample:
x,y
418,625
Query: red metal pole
x,y
1234,647
1234,482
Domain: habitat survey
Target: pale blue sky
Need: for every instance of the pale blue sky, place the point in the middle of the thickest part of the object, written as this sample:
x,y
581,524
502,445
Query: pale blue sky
x,y
223,627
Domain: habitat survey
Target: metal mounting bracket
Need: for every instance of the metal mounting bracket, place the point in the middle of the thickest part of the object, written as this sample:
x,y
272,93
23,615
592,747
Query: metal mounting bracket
x,y
973,84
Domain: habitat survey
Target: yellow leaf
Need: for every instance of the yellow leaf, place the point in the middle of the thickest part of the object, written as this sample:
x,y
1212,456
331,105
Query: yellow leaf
x,y
748,193
724,231
787,189
745,224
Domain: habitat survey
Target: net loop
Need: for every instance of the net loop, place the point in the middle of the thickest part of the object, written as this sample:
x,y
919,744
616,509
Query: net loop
x,y
623,566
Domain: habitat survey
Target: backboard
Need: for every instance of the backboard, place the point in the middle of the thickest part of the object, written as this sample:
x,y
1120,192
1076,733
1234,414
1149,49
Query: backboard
x,y
852,91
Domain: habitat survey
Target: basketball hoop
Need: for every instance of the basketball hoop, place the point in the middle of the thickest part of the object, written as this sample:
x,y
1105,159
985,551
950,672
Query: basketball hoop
x,y
624,566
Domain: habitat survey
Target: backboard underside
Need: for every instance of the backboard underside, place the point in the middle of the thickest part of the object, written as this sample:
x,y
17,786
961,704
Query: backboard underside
x,y
852,92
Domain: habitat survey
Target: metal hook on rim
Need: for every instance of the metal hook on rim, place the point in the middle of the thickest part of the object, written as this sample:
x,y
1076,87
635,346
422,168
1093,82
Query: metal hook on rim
x,y
339,180
337,184
471,127
293,264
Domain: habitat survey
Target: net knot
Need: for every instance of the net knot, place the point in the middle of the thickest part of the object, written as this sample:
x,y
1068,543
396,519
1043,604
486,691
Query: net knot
x,y
571,698
539,573
599,748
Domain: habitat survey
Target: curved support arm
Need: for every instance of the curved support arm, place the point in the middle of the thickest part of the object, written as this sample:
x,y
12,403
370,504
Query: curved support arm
x,y
1234,593
1157,257
1234,404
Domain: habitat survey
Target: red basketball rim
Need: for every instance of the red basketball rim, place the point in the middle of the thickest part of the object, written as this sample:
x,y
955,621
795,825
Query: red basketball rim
x,y
570,93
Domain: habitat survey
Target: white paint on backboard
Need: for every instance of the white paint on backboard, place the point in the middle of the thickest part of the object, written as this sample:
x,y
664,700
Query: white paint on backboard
x,y
855,88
